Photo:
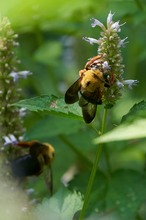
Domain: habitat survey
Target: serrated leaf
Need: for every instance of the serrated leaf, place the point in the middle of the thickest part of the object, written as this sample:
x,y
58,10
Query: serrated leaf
x,y
52,104
62,206
138,111
124,132
126,193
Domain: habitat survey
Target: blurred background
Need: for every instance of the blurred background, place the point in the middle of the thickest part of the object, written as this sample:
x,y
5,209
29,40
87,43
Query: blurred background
x,y
51,47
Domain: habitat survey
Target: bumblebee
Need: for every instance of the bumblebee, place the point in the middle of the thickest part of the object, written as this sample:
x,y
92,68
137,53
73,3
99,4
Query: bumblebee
x,y
34,162
89,88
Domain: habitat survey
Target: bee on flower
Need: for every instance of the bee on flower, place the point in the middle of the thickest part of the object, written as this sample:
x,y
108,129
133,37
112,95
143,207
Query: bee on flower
x,y
101,81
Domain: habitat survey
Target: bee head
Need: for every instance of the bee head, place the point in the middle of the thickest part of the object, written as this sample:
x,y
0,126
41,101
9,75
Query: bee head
x,y
48,153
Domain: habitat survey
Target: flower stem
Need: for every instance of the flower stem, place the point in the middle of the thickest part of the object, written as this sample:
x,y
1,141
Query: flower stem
x,y
139,4
94,169
107,160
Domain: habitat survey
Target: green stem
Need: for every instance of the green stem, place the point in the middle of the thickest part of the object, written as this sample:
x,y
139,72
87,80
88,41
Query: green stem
x,y
106,155
94,169
139,4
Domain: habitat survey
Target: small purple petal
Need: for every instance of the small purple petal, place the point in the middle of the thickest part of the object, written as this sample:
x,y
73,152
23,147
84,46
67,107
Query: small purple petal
x,y
109,18
130,83
120,84
97,23
10,139
20,74
116,26
105,65
122,42
91,40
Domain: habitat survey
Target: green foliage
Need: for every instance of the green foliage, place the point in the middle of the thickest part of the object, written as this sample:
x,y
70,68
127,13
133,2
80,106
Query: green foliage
x,y
62,206
126,193
52,104
99,189
125,132
138,111
51,47
48,53
45,14
120,197
133,126
53,126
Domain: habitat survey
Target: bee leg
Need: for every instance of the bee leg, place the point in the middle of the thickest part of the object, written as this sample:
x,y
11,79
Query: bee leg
x,y
81,72
90,62
48,177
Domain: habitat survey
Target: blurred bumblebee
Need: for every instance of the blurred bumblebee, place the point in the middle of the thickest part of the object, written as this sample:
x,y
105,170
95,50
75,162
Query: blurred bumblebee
x,y
89,88
34,162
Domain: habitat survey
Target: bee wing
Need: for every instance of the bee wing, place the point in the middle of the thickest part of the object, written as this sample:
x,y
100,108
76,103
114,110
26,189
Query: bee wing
x,y
24,166
48,177
71,94
88,110
94,97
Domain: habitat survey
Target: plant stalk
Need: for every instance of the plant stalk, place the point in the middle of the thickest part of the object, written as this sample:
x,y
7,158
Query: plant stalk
x,y
94,169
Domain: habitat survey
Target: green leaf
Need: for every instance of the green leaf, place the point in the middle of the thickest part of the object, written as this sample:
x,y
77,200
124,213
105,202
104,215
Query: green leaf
x,y
53,126
62,206
112,215
126,193
133,125
97,196
138,111
51,104
124,132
